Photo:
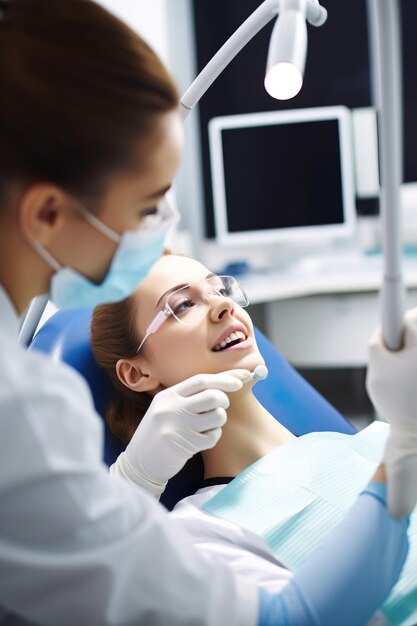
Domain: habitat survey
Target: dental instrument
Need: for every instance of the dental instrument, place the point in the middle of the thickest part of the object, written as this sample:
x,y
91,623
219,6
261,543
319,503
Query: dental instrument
x,y
259,373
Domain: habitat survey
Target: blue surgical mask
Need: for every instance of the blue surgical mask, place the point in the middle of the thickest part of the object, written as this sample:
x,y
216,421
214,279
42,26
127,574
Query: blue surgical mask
x,y
137,251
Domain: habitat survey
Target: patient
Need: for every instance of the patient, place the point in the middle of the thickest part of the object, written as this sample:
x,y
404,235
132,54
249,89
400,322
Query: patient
x,y
183,321
198,338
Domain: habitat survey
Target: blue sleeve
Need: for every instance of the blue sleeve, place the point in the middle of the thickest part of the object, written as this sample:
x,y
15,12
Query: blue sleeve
x,y
350,575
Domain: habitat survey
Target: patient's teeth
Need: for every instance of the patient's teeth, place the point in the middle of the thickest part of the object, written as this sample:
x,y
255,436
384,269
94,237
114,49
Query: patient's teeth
x,y
234,336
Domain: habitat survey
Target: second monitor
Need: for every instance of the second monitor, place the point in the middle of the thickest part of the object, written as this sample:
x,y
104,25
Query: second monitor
x,y
283,176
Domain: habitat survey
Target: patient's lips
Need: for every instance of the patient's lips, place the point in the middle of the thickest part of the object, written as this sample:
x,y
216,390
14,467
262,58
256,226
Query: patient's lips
x,y
233,337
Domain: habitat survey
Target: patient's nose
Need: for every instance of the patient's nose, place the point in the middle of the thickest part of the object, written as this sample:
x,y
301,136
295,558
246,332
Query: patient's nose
x,y
220,307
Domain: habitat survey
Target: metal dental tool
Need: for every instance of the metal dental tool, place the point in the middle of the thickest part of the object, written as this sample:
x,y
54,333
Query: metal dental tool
x,y
259,373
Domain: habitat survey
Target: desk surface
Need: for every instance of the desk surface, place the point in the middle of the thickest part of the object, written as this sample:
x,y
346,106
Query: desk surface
x,y
350,273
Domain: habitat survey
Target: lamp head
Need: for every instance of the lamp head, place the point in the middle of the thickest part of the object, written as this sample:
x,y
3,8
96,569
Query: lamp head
x,y
283,81
286,55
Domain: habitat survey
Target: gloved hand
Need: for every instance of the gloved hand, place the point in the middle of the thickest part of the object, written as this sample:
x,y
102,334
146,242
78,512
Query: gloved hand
x,y
181,421
392,386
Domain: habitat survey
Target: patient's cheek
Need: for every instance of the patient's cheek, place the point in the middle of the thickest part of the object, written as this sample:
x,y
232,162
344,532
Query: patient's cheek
x,y
184,365
177,374
186,370
178,358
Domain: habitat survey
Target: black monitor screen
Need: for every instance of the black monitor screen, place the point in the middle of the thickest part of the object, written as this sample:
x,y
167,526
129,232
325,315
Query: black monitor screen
x,y
276,177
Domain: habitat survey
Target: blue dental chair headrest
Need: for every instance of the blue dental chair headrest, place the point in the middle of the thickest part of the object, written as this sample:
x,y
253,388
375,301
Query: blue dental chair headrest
x,y
285,393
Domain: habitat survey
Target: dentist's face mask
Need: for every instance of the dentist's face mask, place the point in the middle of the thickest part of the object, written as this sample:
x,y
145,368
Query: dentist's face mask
x,y
137,251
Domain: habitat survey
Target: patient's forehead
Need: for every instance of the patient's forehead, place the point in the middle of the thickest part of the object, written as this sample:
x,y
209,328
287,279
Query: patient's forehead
x,y
168,272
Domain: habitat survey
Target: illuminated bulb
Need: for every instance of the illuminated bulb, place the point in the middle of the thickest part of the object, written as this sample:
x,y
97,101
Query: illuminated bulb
x,y
283,81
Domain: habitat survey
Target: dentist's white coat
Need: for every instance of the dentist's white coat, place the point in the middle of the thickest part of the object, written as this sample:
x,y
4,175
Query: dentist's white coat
x,y
76,545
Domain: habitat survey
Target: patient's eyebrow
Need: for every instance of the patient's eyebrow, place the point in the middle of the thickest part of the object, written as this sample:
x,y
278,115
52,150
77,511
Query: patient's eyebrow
x,y
168,291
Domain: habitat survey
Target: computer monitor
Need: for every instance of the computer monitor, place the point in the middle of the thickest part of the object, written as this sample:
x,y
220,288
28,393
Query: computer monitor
x,y
283,176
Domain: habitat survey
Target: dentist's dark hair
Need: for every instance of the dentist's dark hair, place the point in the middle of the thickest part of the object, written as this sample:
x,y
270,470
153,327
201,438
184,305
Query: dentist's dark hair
x,y
79,91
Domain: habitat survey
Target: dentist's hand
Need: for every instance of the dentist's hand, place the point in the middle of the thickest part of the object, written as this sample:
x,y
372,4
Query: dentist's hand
x,y
181,421
392,386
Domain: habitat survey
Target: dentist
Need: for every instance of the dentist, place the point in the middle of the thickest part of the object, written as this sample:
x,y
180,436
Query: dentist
x,y
90,141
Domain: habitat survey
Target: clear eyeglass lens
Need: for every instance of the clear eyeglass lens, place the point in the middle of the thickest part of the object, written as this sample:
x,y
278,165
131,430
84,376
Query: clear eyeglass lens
x,y
191,304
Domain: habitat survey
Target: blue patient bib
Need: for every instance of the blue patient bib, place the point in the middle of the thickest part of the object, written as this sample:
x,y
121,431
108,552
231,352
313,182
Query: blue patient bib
x,y
295,495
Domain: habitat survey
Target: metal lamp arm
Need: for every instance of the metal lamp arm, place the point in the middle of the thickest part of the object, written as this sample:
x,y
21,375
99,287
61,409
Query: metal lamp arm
x,y
386,25
315,15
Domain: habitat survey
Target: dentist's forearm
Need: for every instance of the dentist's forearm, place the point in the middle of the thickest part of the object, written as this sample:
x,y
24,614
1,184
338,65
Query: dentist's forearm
x,y
348,578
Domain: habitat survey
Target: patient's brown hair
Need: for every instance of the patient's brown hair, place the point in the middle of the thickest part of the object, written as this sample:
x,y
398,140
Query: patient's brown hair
x,y
113,337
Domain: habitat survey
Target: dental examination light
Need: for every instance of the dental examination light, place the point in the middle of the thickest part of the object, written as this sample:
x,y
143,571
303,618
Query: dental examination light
x,y
286,55
287,49
385,32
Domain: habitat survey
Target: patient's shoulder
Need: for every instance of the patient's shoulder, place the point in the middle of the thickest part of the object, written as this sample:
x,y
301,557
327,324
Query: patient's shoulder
x,y
198,499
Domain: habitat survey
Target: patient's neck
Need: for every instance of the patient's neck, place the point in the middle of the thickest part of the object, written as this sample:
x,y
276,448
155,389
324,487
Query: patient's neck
x,y
249,434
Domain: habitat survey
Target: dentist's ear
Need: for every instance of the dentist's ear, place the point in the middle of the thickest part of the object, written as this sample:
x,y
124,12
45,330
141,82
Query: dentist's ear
x,y
43,210
132,376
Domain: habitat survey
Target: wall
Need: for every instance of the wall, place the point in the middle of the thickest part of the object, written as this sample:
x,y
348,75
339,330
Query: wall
x,y
166,26
147,17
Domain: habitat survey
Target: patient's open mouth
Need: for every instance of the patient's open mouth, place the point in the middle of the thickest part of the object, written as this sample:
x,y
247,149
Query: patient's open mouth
x,y
231,339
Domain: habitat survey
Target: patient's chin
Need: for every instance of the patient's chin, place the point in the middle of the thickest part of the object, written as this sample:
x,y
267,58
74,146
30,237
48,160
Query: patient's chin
x,y
246,362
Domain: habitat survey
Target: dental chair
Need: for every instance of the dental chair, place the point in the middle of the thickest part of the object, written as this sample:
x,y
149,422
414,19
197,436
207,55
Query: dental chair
x,y
285,394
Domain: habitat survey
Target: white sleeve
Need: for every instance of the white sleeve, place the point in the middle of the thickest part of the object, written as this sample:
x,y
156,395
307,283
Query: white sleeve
x,y
80,547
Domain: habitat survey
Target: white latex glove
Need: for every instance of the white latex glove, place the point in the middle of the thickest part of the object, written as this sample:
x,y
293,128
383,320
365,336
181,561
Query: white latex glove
x,y
181,421
392,386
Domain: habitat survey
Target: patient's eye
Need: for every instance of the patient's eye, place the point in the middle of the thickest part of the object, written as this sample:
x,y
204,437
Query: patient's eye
x,y
182,306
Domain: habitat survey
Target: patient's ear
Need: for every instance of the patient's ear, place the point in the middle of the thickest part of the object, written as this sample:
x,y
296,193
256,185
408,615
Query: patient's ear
x,y
131,374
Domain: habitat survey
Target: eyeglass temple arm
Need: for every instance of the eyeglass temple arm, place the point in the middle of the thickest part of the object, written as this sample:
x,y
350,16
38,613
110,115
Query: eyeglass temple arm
x,y
155,325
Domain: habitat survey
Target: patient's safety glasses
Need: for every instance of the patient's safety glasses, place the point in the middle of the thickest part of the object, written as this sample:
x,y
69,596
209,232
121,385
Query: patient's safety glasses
x,y
191,303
